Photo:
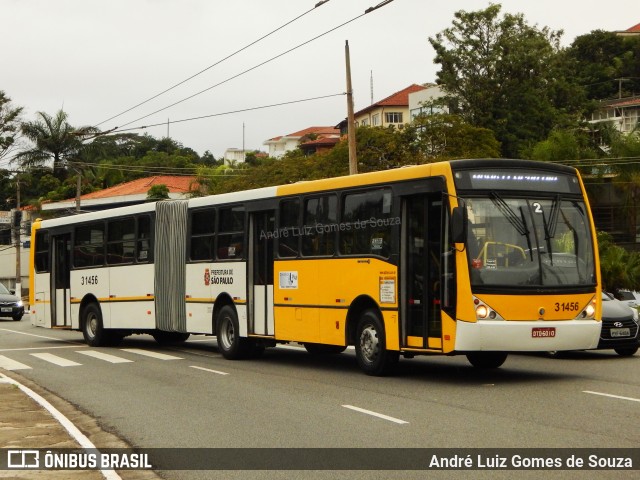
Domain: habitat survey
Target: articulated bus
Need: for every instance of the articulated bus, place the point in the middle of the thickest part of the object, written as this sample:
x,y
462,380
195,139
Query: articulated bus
x,y
466,257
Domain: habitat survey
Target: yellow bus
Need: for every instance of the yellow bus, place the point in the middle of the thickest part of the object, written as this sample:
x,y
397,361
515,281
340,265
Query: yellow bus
x,y
466,257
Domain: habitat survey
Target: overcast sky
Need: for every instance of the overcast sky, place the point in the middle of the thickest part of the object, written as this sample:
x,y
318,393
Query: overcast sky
x,y
96,59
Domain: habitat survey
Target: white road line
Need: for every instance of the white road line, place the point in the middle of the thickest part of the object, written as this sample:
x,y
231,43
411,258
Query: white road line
x,y
104,356
40,336
9,364
209,370
77,435
612,396
147,353
56,360
36,348
375,414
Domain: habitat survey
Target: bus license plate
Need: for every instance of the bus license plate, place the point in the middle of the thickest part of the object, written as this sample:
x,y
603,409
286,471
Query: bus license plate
x,y
543,332
620,332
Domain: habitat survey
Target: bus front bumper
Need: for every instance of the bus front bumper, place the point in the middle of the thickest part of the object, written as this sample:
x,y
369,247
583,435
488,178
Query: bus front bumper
x,y
527,336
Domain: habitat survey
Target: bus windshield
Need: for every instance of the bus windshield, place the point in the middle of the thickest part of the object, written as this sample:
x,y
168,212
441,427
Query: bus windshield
x,y
529,242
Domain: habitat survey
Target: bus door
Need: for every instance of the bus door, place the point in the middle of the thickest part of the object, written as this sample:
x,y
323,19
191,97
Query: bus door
x,y
260,266
61,280
421,271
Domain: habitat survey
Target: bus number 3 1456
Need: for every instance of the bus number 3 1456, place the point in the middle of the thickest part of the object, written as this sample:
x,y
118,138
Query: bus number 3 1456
x,y
89,280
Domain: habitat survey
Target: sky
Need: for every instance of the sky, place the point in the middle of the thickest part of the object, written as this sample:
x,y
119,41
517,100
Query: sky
x,y
97,59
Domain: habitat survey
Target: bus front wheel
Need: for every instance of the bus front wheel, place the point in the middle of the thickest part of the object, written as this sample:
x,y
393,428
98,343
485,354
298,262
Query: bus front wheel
x,y
371,349
230,343
92,327
486,360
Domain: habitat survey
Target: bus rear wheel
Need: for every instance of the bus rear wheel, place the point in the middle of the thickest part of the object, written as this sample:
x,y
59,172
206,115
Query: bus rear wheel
x,y
92,327
371,348
486,360
230,344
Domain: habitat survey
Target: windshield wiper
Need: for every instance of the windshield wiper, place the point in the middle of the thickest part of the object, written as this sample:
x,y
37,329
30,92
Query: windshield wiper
x,y
550,227
519,224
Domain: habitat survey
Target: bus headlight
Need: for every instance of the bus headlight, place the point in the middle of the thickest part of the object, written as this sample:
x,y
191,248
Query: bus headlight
x,y
484,311
589,311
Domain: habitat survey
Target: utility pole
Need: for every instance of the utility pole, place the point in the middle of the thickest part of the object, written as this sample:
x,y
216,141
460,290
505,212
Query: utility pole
x,y
78,189
351,130
17,229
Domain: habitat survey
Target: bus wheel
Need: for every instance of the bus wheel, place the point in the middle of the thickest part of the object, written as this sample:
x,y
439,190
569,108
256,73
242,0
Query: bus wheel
x,y
169,338
626,352
92,327
320,349
371,352
230,344
486,360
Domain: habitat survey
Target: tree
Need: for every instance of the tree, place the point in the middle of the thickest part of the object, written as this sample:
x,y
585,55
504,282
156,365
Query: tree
x,y
505,75
54,139
158,192
9,124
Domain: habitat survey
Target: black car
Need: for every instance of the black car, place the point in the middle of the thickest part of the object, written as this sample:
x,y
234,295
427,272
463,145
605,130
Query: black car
x,y
619,326
10,305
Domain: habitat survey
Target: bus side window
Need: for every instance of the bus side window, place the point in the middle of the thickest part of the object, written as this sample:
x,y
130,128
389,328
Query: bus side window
x,y
203,224
42,251
145,254
320,226
289,228
367,223
230,237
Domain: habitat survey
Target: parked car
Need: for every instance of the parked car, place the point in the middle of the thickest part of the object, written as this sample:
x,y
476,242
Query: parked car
x,y
620,326
627,297
10,305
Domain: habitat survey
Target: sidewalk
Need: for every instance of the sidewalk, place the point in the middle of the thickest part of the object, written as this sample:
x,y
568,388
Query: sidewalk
x,y
25,424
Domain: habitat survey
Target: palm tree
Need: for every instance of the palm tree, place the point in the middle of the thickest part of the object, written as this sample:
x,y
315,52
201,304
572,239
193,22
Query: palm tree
x,y
54,139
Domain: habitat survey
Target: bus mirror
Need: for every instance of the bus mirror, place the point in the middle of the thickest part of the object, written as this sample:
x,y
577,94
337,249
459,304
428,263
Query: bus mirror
x,y
459,225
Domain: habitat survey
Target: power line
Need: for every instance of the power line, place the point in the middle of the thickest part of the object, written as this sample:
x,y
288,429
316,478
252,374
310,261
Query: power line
x,y
216,63
119,129
260,64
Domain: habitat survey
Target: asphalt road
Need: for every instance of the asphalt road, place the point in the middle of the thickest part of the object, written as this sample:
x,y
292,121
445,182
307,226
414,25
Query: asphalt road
x,y
189,396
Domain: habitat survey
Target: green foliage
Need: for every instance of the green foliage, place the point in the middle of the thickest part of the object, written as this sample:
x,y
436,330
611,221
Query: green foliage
x,y
563,145
620,269
9,124
158,192
505,74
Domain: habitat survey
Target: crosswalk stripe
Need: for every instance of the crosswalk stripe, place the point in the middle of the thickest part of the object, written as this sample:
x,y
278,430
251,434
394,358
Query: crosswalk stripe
x,y
147,353
56,360
8,364
104,356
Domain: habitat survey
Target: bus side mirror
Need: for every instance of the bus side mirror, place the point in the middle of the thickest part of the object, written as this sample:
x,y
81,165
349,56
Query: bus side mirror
x,y
459,225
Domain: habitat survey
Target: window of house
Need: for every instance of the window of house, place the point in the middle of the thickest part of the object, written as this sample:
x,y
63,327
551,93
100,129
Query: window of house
x,y
375,121
393,117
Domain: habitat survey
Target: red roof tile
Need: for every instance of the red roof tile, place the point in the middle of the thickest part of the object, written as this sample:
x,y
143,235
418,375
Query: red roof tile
x,y
176,184
635,28
398,99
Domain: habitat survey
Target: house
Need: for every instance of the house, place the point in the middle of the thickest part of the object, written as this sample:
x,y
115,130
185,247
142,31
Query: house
x,y
129,193
392,110
234,155
629,32
319,145
278,146
421,102
622,113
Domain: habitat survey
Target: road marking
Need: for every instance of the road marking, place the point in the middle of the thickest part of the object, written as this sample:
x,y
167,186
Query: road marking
x,y
77,435
612,396
375,414
9,364
56,360
104,356
40,336
147,353
209,370
36,348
